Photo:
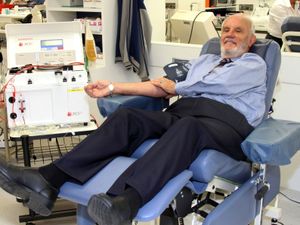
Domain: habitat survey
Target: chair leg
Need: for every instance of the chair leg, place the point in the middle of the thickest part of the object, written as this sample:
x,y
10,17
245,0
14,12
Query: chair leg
x,y
168,218
82,216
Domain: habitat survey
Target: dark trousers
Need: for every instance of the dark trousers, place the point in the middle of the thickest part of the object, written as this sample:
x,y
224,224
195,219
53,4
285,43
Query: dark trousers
x,y
182,131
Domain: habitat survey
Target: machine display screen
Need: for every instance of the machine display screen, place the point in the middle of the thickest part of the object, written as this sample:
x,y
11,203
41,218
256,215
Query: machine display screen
x,y
225,2
53,44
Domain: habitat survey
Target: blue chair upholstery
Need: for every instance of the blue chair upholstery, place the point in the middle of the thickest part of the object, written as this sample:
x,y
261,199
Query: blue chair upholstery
x,y
243,203
291,34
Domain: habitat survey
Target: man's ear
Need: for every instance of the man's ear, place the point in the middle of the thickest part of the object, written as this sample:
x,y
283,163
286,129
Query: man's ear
x,y
252,40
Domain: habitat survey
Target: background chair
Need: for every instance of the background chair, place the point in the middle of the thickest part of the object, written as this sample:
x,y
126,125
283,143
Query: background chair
x,y
291,34
216,189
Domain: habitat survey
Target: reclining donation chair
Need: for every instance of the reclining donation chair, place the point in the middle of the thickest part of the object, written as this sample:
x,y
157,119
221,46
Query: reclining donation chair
x,y
215,190
291,34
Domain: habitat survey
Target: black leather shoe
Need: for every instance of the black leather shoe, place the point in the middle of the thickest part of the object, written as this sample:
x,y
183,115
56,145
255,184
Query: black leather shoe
x,y
29,185
105,210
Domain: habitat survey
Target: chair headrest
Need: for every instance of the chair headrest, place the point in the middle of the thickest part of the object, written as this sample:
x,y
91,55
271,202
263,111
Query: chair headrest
x,y
291,32
291,23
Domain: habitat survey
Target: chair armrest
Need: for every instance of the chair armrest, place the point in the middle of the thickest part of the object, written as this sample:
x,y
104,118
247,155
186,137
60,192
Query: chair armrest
x,y
273,142
108,105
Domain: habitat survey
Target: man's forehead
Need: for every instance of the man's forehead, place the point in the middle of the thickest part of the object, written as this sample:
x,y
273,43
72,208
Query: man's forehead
x,y
235,22
235,26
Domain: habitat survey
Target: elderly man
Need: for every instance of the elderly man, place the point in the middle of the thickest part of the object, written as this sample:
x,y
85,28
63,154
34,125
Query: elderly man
x,y
220,105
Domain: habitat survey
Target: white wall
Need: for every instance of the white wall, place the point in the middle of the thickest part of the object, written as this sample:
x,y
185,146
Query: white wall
x,y
186,4
156,11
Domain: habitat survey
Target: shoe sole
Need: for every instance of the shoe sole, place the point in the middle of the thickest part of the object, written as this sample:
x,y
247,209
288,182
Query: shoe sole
x,y
102,213
34,201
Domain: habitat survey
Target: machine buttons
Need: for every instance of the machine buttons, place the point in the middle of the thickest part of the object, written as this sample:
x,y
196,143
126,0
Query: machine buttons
x,y
13,115
65,79
11,99
73,79
58,72
29,81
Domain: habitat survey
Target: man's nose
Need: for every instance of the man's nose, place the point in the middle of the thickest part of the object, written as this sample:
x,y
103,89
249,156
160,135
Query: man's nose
x,y
230,33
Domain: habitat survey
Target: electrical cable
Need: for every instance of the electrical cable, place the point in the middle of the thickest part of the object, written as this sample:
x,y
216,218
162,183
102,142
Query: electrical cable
x,y
219,36
57,66
7,83
275,221
192,28
292,200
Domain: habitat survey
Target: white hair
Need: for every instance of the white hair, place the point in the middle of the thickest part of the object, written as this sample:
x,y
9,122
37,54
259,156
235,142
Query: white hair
x,y
247,18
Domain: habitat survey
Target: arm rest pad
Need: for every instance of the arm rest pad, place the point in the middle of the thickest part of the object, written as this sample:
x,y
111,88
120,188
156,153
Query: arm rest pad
x,y
108,105
273,142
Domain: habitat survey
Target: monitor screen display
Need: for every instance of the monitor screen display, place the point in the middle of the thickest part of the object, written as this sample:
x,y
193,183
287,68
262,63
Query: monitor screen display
x,y
225,2
52,44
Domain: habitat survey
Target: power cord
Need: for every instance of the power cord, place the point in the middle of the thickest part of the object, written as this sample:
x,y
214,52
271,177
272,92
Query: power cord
x,y
292,200
192,28
219,36
275,221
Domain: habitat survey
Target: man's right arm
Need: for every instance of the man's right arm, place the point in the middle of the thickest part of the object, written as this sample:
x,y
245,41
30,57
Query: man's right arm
x,y
101,89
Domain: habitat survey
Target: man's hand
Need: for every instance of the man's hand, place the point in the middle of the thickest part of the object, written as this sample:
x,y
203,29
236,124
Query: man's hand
x,y
97,89
167,85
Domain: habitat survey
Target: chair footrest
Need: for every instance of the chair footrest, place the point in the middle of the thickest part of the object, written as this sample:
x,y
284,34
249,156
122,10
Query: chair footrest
x,y
100,183
104,179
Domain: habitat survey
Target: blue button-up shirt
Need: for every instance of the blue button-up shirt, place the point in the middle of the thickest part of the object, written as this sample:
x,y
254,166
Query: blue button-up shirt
x,y
240,84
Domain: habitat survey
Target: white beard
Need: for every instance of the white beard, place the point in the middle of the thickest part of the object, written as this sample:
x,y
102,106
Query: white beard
x,y
235,52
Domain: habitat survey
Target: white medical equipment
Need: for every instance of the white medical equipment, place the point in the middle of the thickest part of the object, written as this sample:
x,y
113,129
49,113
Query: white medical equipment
x,y
71,3
260,17
46,76
193,27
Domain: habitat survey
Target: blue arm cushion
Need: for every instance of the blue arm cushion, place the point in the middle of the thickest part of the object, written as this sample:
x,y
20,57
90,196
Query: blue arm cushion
x,y
273,142
108,105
